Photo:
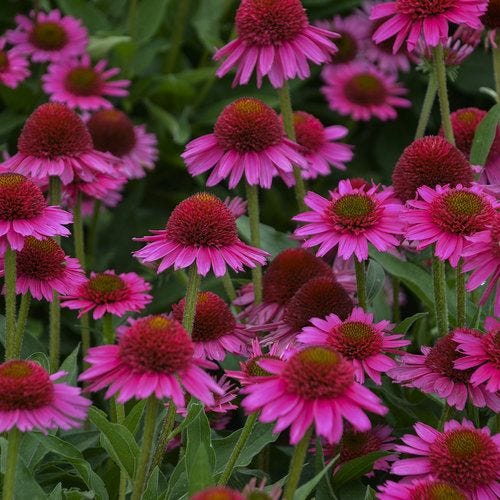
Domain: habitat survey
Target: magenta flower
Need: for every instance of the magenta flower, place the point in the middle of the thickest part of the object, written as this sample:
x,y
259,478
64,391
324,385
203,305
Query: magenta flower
x,y
446,216
112,131
410,19
481,354
43,268
274,39
461,455
78,84
30,399
215,330
237,206
318,145
14,67
218,492
349,220
248,141
434,372
55,142
482,257
201,229
362,91
315,385
49,37
154,355
24,212
359,340
420,489
109,293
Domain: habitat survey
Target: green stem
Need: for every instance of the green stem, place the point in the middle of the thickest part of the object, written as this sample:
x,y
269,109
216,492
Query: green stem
x,y
147,443
108,330
9,480
361,283
177,35
287,114
78,230
238,448
425,114
120,418
461,295
254,216
396,287
444,103
92,236
229,287
441,306
54,332
165,437
22,320
10,302
132,17
295,471
194,280
496,67
85,332
445,416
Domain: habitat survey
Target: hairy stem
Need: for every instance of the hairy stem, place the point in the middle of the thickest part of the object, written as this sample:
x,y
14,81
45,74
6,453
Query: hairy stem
x,y
193,286
54,332
108,330
254,216
22,320
444,103
9,480
425,114
295,471
10,302
165,437
441,306
361,282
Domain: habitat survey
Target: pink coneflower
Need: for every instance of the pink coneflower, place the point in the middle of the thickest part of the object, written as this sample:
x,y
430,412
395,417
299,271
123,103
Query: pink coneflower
x,y
275,39
482,257
30,399
317,298
43,267
200,229
410,19
318,145
14,67
49,37
55,142
215,330
362,91
433,372
313,385
218,493
248,141
461,455
78,84
254,491
446,216
430,161
154,355
109,293
349,220
24,212
114,132
237,206
420,489
481,354
359,340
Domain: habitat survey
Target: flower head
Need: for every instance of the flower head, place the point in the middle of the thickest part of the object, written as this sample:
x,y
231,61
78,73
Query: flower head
x,y
13,66
109,293
49,37
215,330
30,399
43,267
461,455
218,493
410,19
359,340
350,219
275,39
318,147
114,132
55,142
78,84
446,216
363,91
434,372
154,355
315,385
202,229
430,161
24,212
420,489
248,141
481,354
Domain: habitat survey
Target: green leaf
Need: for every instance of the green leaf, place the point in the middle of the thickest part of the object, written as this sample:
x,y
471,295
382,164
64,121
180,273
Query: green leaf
x,y
150,15
75,458
178,128
356,468
9,121
100,47
207,22
306,489
324,490
92,17
56,493
151,491
407,323
117,440
177,483
70,365
484,136
375,278
134,416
